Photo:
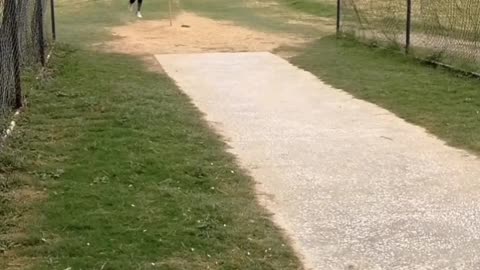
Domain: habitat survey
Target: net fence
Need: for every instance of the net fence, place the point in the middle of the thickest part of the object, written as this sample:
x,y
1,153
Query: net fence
x,y
25,39
445,31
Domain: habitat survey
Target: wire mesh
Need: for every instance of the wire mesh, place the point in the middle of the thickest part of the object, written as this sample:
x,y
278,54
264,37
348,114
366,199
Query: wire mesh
x,y
446,31
24,43
8,66
381,21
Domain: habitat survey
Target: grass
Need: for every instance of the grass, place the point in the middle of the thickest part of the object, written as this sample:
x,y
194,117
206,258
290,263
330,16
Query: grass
x,y
235,11
266,17
321,8
135,179
112,167
446,104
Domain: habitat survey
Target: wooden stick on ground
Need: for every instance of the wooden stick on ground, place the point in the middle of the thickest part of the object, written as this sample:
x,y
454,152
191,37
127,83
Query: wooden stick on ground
x,y
170,11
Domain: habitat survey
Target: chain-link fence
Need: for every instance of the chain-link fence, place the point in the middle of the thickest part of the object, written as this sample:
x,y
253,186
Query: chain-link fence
x,y
442,31
26,35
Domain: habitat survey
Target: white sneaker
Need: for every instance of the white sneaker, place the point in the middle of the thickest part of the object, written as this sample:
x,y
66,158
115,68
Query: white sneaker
x,y
139,15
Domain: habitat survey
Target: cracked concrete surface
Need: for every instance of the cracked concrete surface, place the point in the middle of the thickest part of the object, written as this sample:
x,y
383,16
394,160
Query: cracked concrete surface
x,y
354,186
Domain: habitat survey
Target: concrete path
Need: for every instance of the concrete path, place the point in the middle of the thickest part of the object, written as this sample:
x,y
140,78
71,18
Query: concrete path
x,y
354,186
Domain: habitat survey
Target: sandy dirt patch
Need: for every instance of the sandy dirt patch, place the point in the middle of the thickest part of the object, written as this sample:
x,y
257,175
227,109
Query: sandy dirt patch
x,y
191,33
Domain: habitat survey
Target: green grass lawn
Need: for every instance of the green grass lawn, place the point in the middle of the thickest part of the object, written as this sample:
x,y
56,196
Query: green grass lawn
x,y
135,179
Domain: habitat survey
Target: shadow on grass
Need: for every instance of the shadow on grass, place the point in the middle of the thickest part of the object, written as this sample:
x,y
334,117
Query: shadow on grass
x,y
135,178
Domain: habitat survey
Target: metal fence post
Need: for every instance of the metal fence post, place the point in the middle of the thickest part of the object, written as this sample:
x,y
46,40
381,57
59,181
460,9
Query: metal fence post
x,y
52,11
409,26
13,33
40,36
339,15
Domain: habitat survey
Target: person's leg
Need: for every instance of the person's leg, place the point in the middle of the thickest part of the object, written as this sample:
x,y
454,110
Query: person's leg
x,y
131,4
139,8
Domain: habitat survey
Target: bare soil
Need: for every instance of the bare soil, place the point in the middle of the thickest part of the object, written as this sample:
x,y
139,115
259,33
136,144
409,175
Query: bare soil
x,y
191,33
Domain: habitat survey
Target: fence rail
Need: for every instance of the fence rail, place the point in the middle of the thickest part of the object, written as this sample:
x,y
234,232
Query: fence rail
x,y
443,31
26,35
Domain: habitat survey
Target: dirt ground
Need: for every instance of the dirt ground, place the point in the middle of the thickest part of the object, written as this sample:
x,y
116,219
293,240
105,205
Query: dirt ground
x,y
191,33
